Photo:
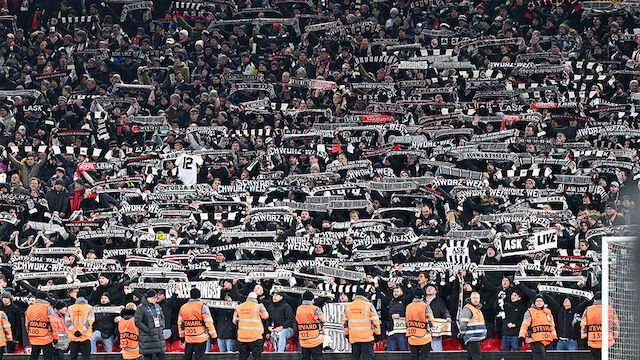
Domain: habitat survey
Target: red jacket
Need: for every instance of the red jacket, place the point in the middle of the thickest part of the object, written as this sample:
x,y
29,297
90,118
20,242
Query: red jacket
x,y
75,200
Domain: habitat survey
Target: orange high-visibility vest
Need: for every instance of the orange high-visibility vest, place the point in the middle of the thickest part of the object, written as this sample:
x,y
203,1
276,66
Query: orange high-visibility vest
x,y
591,326
538,326
80,317
418,317
5,329
248,316
41,323
129,338
311,321
193,321
360,321
476,327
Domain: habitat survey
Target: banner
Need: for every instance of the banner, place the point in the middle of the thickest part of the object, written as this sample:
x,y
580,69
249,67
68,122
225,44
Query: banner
x,y
566,291
514,245
75,285
335,338
340,274
440,327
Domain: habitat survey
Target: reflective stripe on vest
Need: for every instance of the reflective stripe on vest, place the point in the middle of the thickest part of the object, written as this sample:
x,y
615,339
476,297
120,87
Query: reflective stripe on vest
x,y
249,328
476,328
359,325
193,322
418,330
129,343
594,326
310,330
541,327
38,322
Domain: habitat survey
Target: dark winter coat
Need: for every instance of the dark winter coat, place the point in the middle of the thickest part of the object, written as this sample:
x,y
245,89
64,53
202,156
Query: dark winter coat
x,y
16,319
439,308
151,337
223,319
567,323
58,201
105,324
114,290
281,314
513,313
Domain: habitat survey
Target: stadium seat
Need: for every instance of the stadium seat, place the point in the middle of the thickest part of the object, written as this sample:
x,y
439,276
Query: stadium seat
x,y
525,347
177,346
215,347
380,345
292,344
451,345
168,345
493,344
100,346
116,348
268,346
18,349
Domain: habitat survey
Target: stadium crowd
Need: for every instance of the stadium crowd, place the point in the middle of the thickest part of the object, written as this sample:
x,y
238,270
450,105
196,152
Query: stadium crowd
x,y
382,150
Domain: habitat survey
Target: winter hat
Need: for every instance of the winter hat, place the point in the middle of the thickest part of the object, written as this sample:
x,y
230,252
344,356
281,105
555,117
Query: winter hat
x,y
195,293
308,295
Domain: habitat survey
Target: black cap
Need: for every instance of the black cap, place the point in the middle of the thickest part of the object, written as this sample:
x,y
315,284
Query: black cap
x,y
597,296
419,293
151,293
308,295
59,182
360,291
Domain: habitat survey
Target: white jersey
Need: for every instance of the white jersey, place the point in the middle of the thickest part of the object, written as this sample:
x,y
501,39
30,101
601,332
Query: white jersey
x,y
188,168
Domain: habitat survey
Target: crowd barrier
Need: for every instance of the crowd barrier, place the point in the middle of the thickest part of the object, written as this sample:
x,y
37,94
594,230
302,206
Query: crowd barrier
x,y
398,355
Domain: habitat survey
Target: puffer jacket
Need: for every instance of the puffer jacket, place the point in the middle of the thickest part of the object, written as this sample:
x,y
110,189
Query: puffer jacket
x,y
151,337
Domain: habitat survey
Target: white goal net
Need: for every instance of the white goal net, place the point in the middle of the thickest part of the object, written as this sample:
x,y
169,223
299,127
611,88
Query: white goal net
x,y
620,291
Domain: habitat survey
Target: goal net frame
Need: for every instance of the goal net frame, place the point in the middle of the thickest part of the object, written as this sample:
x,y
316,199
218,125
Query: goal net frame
x,y
605,286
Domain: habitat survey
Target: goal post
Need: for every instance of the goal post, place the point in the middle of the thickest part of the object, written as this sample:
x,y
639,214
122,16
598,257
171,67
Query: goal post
x,y
620,291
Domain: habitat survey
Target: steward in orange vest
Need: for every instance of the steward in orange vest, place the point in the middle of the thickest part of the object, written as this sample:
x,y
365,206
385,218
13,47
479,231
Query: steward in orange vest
x,y
79,322
129,333
42,327
472,326
311,321
591,326
419,320
5,331
195,324
360,321
248,317
538,328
